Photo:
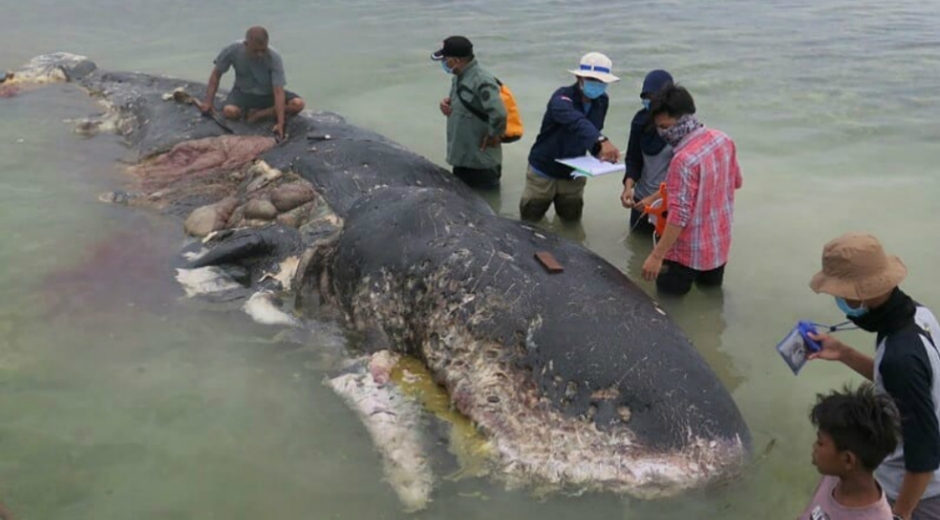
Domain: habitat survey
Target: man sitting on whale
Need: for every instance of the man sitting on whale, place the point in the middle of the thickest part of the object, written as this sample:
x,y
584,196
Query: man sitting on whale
x,y
259,91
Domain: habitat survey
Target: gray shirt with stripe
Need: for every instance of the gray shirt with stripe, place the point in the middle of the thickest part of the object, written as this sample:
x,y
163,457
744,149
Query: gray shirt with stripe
x,y
907,366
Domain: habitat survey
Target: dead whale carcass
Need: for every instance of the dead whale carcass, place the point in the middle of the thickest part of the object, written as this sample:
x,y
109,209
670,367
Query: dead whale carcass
x,y
577,381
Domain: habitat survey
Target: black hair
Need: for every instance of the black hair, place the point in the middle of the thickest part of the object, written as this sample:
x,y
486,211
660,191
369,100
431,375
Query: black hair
x,y
673,100
862,421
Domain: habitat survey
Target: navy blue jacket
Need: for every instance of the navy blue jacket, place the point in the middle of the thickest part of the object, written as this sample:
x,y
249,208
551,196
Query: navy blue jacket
x,y
644,139
567,131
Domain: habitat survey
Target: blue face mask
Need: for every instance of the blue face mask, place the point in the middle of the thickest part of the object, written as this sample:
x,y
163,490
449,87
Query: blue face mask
x,y
647,103
861,310
593,89
446,68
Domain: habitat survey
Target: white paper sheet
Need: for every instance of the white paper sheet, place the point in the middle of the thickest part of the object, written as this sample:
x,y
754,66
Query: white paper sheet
x,y
587,166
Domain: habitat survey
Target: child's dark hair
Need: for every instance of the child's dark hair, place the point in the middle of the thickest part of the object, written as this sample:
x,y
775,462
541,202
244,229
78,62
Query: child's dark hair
x,y
862,421
672,100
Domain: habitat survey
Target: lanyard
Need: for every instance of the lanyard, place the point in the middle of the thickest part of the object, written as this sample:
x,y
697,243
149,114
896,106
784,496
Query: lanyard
x,y
845,325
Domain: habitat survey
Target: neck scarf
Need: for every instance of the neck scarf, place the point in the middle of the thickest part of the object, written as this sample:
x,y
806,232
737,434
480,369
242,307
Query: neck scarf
x,y
683,127
891,317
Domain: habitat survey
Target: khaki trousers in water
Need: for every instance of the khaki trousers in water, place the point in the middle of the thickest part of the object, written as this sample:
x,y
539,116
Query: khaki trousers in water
x,y
540,192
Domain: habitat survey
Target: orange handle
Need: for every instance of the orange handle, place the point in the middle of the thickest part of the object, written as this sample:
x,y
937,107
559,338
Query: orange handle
x,y
658,211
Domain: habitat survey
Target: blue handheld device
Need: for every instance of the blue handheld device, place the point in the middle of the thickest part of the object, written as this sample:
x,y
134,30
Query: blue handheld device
x,y
805,329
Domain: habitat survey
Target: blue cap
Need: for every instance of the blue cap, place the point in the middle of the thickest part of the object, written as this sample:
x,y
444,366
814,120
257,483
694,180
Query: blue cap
x,y
655,81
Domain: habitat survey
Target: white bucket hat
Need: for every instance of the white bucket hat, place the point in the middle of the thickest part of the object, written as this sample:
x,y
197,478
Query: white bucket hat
x,y
596,66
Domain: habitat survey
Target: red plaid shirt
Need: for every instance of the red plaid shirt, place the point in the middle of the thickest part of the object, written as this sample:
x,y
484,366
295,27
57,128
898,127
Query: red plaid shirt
x,y
700,186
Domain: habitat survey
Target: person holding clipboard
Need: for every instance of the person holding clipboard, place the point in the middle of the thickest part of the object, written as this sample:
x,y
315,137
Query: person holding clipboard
x,y
572,126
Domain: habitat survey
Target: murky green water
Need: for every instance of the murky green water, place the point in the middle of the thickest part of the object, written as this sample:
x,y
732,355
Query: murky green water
x,y
120,399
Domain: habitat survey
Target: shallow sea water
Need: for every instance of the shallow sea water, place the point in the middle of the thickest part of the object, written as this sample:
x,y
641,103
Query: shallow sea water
x,y
121,399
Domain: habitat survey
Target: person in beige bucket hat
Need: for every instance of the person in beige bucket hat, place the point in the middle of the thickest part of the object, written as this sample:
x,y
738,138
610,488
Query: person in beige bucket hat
x,y
855,267
864,281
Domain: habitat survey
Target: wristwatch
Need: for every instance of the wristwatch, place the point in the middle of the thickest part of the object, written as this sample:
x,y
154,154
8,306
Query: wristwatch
x,y
602,138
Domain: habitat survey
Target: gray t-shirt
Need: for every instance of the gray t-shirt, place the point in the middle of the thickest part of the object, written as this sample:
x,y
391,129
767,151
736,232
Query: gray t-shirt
x,y
653,173
252,76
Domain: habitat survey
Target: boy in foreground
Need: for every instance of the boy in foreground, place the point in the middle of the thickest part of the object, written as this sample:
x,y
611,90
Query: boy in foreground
x,y
855,431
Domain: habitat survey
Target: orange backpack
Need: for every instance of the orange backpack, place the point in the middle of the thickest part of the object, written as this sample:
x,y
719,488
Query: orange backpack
x,y
513,119
514,126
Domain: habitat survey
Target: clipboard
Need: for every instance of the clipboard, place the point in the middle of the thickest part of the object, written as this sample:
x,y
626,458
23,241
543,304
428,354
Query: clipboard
x,y
588,166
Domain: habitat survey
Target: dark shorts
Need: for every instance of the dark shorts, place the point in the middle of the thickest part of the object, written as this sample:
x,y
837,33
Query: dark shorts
x,y
677,279
246,102
475,178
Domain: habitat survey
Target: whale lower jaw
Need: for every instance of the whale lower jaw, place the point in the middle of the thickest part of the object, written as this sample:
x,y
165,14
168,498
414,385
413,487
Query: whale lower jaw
x,y
394,425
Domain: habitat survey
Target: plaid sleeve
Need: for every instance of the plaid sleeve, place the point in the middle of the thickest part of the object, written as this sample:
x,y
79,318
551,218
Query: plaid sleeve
x,y
735,168
681,192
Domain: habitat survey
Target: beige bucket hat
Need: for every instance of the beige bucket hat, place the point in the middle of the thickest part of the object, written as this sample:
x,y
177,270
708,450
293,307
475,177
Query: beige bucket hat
x,y
855,266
